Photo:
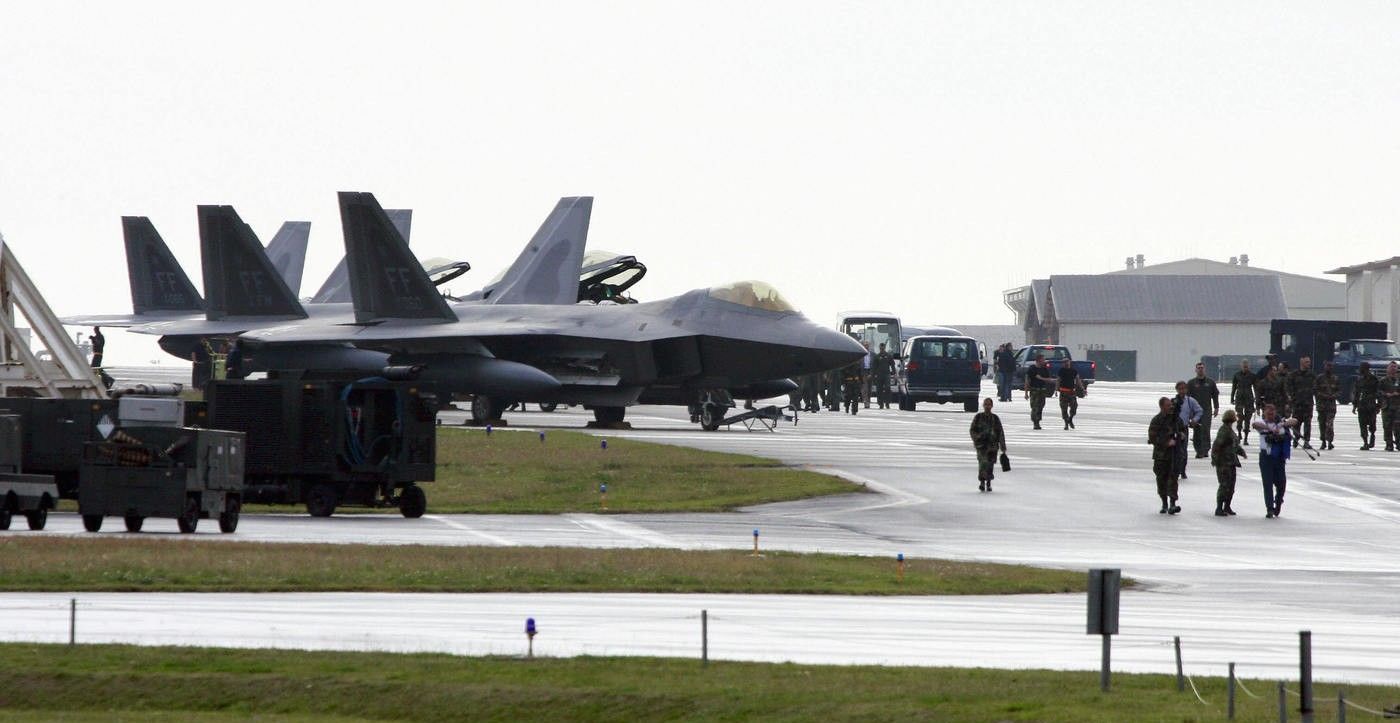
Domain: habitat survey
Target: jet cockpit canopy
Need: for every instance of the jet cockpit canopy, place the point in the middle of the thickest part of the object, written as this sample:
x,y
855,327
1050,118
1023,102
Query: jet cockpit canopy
x,y
753,294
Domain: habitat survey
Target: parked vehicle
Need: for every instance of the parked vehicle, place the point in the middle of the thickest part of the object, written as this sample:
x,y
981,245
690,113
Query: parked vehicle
x,y
1344,343
1025,359
940,369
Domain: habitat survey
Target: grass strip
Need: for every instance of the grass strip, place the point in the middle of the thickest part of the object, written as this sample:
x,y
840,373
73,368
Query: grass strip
x,y
130,564
47,682
514,472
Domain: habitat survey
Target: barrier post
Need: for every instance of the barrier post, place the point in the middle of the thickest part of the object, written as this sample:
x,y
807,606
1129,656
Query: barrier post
x,y
899,567
1341,706
530,636
73,621
1230,695
1180,678
1305,687
705,637
755,552
1282,703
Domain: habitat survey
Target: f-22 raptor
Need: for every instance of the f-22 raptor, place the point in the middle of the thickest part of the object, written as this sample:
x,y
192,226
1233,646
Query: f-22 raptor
x,y
742,337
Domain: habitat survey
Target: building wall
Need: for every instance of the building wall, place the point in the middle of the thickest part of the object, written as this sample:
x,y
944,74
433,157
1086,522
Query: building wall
x,y
1167,352
1374,295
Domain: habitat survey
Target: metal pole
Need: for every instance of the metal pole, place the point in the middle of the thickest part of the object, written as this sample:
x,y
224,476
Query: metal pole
x,y
1103,672
704,637
72,621
1341,706
1305,692
1282,704
1180,679
1230,695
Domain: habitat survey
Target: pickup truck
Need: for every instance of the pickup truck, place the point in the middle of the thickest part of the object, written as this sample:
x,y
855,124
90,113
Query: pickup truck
x,y
1025,359
1344,343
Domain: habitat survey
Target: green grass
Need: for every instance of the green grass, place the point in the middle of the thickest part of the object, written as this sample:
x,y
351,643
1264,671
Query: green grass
x,y
513,472
108,682
107,564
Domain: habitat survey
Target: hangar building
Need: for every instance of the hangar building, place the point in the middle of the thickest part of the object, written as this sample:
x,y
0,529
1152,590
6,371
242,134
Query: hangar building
x,y
1373,292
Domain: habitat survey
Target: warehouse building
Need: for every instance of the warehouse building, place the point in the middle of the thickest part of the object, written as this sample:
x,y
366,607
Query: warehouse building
x,y
1373,292
1154,327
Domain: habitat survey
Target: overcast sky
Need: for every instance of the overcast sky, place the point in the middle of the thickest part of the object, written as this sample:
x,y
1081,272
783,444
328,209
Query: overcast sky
x,y
917,157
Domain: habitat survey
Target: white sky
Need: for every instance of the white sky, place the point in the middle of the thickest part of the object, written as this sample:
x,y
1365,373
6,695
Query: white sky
x,y
918,157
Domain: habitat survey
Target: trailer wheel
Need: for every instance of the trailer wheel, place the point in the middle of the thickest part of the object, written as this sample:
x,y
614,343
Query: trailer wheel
x,y
413,502
37,519
5,516
189,519
92,523
133,522
321,500
228,519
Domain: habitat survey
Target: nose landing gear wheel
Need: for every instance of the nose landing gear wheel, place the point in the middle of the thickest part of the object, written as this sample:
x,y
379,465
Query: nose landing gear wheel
x,y
710,416
485,409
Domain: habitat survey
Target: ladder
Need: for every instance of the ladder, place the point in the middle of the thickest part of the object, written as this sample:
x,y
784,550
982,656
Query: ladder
x,y
66,373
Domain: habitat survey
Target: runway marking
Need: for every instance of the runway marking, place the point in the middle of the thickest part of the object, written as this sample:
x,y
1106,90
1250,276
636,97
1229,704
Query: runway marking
x,y
614,526
901,498
493,539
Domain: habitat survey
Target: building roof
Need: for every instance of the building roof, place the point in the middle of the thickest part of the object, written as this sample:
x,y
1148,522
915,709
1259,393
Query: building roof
x,y
1040,291
1109,298
1368,266
1199,266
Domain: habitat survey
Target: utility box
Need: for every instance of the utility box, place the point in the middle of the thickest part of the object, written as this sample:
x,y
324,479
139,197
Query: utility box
x,y
150,411
139,472
1103,601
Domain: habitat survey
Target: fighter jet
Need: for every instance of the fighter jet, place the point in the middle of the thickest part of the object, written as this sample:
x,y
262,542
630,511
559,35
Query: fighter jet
x,y
522,344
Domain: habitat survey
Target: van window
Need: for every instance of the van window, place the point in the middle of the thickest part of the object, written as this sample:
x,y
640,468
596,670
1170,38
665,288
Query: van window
x,y
944,348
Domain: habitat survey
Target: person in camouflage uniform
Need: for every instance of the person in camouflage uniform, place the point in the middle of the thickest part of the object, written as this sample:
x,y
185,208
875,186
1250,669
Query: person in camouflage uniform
x,y
1365,400
833,390
1165,434
1225,456
884,370
1269,389
1242,396
1390,406
1301,387
1040,382
1204,390
988,439
1326,389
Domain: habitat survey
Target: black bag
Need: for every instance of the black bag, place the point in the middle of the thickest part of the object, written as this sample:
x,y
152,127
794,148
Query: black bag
x,y
1081,391
1005,463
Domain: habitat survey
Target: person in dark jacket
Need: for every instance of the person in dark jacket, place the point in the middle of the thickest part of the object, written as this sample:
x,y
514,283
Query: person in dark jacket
x,y
1365,401
988,439
1204,390
1006,370
1165,434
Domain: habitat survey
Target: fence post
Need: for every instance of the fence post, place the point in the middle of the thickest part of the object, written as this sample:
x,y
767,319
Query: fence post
x,y
1282,704
1305,687
1180,679
73,621
1341,706
705,637
1230,695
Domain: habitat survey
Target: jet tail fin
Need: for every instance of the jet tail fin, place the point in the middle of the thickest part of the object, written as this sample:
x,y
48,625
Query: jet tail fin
x,y
547,271
287,250
336,288
386,280
238,277
158,283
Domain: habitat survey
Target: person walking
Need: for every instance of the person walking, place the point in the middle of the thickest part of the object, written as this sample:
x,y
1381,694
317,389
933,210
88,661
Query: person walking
x,y
1225,455
884,370
1204,390
1006,370
1269,389
853,377
1275,448
1242,397
1365,400
1068,387
1190,412
1039,383
988,439
1165,433
1390,406
1301,387
867,369
1326,389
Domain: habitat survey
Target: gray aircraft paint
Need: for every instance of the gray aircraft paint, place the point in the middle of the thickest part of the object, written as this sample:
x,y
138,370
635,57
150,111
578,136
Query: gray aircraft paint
x,y
287,251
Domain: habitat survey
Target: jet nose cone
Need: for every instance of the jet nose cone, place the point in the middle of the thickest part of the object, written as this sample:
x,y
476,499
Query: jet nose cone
x,y
834,349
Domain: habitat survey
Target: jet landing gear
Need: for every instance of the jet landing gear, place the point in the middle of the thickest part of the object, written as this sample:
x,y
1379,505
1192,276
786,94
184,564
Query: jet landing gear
x,y
710,413
486,410
609,418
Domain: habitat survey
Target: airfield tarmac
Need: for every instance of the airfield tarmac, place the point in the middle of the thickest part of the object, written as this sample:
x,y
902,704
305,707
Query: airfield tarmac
x,y
1235,589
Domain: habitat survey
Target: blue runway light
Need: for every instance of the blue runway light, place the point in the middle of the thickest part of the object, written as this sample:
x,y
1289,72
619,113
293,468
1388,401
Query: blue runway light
x,y
529,626
900,557
541,437
488,430
605,444
603,488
